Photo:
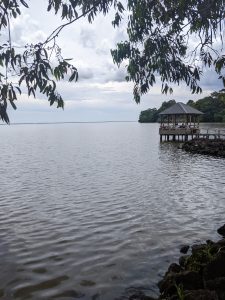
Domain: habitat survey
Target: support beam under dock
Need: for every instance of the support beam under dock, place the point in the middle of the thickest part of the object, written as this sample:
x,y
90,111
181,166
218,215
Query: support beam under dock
x,y
177,137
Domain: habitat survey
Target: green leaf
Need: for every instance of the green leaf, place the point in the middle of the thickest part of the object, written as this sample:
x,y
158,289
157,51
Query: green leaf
x,y
24,3
13,104
72,76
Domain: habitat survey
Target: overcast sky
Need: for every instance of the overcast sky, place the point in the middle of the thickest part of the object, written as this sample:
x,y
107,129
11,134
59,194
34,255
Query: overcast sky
x,y
101,94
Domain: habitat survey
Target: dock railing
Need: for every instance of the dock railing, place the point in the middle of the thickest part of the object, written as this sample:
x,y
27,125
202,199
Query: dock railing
x,y
212,133
171,130
190,132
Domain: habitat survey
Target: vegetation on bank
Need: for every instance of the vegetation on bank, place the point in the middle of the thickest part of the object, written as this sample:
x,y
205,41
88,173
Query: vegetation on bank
x,y
199,275
212,106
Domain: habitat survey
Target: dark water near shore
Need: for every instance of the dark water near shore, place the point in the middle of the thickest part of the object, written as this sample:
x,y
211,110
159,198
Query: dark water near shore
x,y
89,210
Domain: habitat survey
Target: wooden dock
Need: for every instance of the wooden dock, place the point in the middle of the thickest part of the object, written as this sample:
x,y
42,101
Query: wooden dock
x,y
209,133
185,134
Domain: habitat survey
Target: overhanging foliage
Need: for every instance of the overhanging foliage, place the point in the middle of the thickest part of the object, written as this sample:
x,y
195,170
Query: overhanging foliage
x,y
158,46
161,46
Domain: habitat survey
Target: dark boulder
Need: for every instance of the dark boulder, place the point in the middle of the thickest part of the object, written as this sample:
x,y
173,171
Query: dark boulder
x,y
196,248
210,243
133,293
140,296
184,249
183,260
215,268
189,280
221,230
218,285
174,268
221,245
200,295
215,284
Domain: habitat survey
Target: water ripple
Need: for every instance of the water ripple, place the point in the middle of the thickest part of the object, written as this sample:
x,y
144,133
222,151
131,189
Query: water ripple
x,y
99,210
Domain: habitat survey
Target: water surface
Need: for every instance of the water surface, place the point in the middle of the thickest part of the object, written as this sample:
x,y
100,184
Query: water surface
x,y
89,210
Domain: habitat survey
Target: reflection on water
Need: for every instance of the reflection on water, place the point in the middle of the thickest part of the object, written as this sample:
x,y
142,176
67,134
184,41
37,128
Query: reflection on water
x,y
90,211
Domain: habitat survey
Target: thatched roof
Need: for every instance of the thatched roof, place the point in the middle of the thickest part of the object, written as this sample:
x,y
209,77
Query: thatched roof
x,y
181,109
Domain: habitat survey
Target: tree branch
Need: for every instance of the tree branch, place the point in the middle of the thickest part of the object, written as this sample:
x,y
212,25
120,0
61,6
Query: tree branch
x,y
56,32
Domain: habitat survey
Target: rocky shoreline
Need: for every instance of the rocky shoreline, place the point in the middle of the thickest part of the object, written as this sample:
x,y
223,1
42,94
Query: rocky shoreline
x,y
215,147
200,274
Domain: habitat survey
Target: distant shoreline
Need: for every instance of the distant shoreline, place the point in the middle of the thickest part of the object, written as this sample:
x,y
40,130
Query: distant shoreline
x,y
70,122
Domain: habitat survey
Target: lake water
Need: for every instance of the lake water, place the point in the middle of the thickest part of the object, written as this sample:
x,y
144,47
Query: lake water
x,y
89,211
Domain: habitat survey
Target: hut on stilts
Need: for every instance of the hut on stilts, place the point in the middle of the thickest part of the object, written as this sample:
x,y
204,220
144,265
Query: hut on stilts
x,y
179,122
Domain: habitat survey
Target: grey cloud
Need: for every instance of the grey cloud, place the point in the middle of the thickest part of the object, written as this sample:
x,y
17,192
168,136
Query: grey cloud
x,y
104,47
113,73
85,73
117,75
26,30
210,81
102,51
87,38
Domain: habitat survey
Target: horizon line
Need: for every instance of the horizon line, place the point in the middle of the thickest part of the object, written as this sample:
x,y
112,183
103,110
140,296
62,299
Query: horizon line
x,y
66,122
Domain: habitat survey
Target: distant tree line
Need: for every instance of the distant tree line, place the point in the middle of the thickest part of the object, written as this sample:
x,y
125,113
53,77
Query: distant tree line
x,y
212,106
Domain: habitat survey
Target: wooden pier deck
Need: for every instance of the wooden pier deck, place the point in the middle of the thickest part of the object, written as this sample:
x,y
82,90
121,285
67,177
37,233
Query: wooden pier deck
x,y
185,134
209,133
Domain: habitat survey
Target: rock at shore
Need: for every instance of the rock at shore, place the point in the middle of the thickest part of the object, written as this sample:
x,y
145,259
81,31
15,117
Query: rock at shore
x,y
221,230
184,249
198,276
215,147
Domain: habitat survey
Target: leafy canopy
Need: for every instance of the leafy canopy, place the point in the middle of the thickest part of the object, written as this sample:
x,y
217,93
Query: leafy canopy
x,y
212,106
157,48
160,42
